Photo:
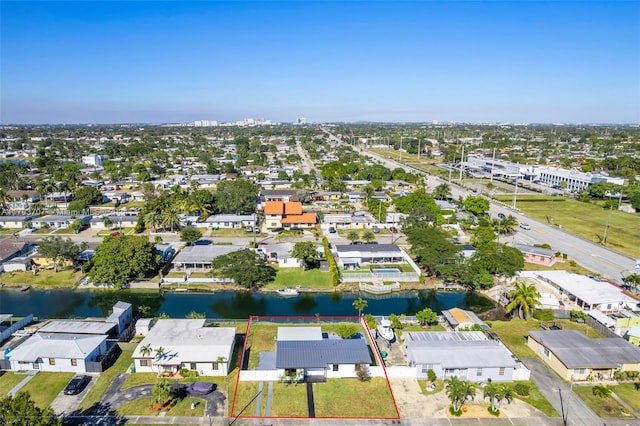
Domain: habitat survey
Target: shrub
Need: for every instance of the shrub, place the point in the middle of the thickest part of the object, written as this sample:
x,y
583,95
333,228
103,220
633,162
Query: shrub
x,y
453,412
494,413
395,322
573,263
362,371
522,389
564,256
576,315
544,315
188,374
431,375
346,331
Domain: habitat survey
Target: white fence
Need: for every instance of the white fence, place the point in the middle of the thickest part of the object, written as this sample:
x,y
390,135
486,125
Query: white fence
x,y
259,376
196,280
399,372
372,277
379,288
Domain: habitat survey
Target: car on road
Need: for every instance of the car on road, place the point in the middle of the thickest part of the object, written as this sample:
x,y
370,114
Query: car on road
x,y
393,229
525,226
277,229
199,388
501,215
76,385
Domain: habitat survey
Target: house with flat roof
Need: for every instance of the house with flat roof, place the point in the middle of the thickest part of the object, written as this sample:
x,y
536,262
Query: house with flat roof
x,y
173,344
59,221
17,222
199,257
231,221
58,352
537,255
459,319
353,256
348,221
467,355
586,292
574,356
307,353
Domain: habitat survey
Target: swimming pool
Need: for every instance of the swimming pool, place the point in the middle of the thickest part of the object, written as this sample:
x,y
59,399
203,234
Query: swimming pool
x,y
386,271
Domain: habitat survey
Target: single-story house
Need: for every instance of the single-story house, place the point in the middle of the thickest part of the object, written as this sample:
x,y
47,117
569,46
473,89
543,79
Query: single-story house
x,y
17,264
305,352
10,249
59,221
633,336
185,343
117,221
467,355
199,257
394,219
58,352
574,356
348,221
537,255
459,319
350,256
20,222
284,195
231,221
143,326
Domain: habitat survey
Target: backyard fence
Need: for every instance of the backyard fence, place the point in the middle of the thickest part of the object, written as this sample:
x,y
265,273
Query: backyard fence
x,y
376,277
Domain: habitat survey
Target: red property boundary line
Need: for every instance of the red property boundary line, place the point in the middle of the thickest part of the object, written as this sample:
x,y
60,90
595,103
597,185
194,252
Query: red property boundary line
x,y
281,317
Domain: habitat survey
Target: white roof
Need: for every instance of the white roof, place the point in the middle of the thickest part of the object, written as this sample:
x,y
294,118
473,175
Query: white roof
x,y
56,345
601,318
591,291
634,332
187,340
77,327
299,333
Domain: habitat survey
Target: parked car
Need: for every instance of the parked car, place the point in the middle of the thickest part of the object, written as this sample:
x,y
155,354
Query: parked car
x,y
393,229
76,385
375,229
371,242
332,230
356,243
525,226
501,215
115,234
199,388
278,229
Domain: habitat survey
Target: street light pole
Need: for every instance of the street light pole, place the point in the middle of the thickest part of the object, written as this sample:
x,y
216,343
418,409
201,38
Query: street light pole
x,y
515,193
493,161
461,160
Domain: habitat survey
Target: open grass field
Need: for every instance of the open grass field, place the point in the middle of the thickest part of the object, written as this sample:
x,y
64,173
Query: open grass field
x,y
180,407
629,394
603,407
45,386
291,277
8,380
586,220
45,277
514,333
106,377
422,162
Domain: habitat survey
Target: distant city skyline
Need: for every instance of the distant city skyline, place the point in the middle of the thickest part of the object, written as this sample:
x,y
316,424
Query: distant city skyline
x,y
181,62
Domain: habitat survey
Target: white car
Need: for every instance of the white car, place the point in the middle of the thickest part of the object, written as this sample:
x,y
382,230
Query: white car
x,y
525,226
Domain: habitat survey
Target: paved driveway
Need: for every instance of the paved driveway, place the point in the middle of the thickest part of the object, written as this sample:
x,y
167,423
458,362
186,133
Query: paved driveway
x,y
552,387
65,404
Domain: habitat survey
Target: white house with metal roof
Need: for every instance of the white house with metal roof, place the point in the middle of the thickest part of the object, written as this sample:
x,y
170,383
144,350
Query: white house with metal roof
x,y
467,355
58,352
199,257
350,256
174,344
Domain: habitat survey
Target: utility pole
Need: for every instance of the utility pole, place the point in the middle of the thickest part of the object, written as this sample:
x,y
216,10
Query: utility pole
x,y
451,166
493,161
461,160
606,226
515,193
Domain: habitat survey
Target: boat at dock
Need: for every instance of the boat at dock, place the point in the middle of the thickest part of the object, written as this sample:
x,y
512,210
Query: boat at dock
x,y
289,291
25,287
385,331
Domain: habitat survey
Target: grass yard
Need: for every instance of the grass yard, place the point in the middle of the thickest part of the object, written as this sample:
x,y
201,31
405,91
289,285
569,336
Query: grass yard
x,y
628,393
45,386
559,266
588,221
182,407
106,377
603,407
8,380
291,277
7,232
288,400
45,277
353,398
536,400
244,403
424,383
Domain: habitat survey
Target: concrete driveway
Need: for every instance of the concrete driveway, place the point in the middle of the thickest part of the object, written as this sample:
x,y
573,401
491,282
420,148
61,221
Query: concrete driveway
x,y
66,404
553,388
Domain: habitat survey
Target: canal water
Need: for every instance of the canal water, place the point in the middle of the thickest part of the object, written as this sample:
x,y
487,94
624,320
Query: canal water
x,y
236,305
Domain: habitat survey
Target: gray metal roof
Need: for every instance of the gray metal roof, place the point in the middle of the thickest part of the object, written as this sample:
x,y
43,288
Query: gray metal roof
x,y
77,327
431,338
204,254
368,248
321,353
575,350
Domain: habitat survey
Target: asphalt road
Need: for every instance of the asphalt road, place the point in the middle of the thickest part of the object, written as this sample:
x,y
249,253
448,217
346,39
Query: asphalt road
x,y
601,260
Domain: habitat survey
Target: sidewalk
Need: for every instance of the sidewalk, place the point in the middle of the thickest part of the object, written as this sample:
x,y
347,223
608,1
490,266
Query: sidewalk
x,y
30,375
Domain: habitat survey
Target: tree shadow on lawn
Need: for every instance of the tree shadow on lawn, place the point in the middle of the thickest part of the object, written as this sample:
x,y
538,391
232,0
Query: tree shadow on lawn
x,y
98,413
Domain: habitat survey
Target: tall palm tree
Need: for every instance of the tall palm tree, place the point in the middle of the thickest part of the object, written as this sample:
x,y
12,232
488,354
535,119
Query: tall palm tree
x,y
442,191
524,297
145,350
458,392
360,304
170,219
153,220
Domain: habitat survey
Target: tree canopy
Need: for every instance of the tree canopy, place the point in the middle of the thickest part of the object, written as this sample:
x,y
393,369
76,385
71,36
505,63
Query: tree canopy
x,y
245,266
22,411
432,249
119,259
236,196
190,234
476,205
58,250
305,251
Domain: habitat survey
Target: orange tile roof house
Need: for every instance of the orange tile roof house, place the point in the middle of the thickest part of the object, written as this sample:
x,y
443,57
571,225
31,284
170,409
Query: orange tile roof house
x,y
287,215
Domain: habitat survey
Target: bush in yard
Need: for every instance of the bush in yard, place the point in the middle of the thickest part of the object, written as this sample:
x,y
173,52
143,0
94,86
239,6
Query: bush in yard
x,y
576,315
431,375
395,322
371,321
346,331
522,389
188,374
362,371
544,315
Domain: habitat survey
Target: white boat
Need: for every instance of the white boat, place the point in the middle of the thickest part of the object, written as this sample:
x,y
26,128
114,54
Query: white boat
x,y
288,292
385,331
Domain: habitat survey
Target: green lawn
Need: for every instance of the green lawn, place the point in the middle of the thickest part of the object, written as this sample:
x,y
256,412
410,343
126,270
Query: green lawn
x,y
45,277
106,377
353,398
8,380
603,407
587,220
6,232
288,400
628,393
180,407
291,277
535,399
559,266
45,386
244,403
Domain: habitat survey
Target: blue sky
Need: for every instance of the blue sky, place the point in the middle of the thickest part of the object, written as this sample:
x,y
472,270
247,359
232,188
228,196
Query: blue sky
x,y
121,61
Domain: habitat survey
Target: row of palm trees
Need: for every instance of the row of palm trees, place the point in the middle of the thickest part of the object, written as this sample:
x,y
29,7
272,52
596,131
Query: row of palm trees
x,y
459,392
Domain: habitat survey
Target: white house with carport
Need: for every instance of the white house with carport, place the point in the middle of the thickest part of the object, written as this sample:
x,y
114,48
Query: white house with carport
x,y
188,344
117,221
58,352
467,355
306,353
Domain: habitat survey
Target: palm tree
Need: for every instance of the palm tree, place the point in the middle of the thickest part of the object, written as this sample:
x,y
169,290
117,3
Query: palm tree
x,y
524,297
170,219
368,235
360,304
458,392
491,392
44,188
353,235
442,191
601,391
107,222
153,220
145,350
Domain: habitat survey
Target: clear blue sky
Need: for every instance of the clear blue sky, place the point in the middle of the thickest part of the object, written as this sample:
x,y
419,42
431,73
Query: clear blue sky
x,y
121,61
